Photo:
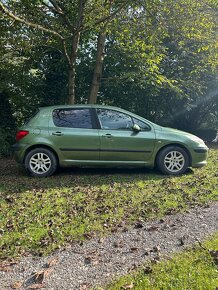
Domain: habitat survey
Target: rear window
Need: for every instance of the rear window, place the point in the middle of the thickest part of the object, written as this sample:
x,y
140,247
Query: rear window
x,y
72,118
30,116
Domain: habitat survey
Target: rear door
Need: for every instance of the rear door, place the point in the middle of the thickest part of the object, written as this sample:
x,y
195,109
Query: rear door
x,y
118,141
73,132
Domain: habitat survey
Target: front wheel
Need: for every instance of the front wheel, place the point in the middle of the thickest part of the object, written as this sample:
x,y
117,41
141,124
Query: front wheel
x,y
40,162
173,160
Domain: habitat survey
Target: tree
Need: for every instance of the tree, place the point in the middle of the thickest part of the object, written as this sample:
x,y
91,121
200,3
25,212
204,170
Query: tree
x,y
62,24
97,75
154,56
191,61
7,124
164,66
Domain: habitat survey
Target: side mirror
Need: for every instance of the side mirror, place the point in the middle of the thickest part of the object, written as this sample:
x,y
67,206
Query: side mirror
x,y
136,128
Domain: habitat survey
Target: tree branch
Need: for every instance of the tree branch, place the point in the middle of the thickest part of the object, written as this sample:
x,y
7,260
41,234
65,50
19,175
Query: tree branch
x,y
51,8
66,53
28,23
59,10
112,15
80,15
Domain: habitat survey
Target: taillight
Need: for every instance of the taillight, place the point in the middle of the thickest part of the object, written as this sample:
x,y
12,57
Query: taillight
x,y
20,134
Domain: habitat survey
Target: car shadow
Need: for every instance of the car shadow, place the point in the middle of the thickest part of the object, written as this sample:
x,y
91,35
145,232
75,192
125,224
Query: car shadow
x,y
13,178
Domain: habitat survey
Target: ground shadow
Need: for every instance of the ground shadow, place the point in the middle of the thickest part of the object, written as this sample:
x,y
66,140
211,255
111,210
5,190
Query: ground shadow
x,y
14,178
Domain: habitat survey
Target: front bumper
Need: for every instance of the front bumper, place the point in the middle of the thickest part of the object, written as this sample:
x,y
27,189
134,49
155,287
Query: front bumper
x,y
199,156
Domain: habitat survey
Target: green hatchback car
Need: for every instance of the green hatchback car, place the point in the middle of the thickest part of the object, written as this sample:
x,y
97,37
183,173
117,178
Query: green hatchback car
x,y
95,135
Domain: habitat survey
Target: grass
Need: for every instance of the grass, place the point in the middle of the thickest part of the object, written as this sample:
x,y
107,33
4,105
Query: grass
x,y
194,269
40,215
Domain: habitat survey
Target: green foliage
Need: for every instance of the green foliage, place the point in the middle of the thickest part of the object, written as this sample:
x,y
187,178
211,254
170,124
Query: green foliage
x,y
38,216
194,269
7,126
161,66
160,60
5,142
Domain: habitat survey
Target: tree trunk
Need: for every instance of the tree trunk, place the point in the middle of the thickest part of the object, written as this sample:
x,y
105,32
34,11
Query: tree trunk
x,y
72,69
98,68
71,86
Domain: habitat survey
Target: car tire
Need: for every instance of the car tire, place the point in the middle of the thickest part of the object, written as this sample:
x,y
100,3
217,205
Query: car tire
x,y
40,162
172,160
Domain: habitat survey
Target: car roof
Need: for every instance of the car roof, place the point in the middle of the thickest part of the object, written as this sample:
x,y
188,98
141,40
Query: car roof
x,y
79,106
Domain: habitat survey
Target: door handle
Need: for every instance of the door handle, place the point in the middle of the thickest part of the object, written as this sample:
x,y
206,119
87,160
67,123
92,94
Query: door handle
x,y
107,136
57,134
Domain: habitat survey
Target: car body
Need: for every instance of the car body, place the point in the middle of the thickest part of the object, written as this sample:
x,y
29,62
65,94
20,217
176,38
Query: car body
x,y
97,135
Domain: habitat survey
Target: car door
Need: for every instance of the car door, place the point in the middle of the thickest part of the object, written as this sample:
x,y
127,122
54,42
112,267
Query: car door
x,y
73,132
119,142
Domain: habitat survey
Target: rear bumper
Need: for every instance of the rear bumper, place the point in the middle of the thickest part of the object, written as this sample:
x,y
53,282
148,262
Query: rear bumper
x,y
15,147
18,152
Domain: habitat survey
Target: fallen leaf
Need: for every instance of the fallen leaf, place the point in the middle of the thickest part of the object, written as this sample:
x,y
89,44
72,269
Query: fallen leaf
x,y
183,240
156,249
88,260
101,240
138,225
39,277
214,255
147,270
84,286
52,263
5,268
91,260
133,249
152,228
118,244
16,285
9,198
128,286
36,286
48,272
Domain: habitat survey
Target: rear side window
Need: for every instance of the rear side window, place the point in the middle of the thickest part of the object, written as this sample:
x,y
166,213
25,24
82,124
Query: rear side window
x,y
72,118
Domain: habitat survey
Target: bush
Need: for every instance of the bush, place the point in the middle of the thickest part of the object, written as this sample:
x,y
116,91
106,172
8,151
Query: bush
x,y
207,135
6,140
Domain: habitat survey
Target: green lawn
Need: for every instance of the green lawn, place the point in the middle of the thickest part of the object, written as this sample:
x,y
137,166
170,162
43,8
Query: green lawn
x,y
39,215
195,269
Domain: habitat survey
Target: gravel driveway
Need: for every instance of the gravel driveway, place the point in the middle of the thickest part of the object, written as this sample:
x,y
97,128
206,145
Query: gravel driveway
x,y
98,261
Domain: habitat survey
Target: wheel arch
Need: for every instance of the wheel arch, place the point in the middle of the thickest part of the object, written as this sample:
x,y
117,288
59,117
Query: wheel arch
x,y
178,145
41,146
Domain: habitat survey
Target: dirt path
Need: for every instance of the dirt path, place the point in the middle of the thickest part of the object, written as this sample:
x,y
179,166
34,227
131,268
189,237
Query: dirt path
x,y
98,261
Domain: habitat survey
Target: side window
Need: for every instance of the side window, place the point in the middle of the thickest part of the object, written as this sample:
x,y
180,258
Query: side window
x,y
142,125
110,119
72,118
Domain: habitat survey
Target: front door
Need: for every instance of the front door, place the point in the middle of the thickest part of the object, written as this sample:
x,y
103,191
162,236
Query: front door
x,y
119,143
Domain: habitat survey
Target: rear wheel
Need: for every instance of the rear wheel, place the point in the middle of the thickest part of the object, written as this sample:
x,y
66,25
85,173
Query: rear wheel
x,y
40,162
173,160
